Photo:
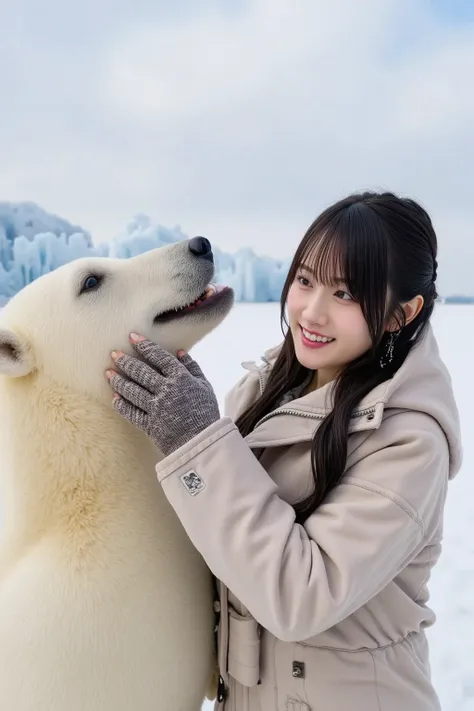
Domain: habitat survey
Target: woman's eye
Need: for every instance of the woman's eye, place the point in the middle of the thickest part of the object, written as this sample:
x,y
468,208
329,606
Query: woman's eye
x,y
303,281
344,295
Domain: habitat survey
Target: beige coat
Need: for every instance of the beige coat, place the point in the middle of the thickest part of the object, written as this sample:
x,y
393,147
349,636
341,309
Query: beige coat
x,y
329,616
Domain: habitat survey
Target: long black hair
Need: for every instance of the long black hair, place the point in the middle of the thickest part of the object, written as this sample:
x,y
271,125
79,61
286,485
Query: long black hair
x,y
382,245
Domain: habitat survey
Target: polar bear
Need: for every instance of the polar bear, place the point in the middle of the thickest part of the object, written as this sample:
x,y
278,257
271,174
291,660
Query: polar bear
x,y
105,605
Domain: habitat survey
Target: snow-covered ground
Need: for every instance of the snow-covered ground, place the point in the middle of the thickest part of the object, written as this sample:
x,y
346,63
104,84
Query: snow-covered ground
x,y
251,329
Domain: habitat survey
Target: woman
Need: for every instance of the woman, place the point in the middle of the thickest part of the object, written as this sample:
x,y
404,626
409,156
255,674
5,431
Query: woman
x,y
320,510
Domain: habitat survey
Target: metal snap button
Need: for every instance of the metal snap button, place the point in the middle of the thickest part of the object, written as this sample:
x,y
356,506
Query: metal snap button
x,y
298,670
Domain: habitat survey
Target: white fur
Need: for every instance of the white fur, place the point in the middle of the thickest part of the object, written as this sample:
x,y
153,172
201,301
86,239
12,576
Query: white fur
x,y
105,605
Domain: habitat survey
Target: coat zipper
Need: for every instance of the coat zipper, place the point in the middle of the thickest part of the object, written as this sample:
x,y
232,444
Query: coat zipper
x,y
311,415
262,381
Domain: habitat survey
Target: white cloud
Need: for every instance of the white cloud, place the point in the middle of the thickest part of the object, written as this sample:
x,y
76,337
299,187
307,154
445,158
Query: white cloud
x,y
275,59
243,125
216,64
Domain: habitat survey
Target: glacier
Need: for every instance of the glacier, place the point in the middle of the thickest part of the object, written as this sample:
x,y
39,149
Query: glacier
x,y
33,243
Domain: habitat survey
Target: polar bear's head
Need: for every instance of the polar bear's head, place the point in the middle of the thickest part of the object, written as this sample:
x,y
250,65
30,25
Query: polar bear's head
x,y
64,325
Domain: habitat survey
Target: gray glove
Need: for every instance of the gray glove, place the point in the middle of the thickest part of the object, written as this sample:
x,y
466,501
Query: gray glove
x,y
167,397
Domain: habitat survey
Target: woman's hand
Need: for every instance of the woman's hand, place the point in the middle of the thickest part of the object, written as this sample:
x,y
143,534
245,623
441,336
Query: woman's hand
x,y
167,397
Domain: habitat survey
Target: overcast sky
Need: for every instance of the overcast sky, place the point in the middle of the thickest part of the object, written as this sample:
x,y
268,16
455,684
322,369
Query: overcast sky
x,y
240,119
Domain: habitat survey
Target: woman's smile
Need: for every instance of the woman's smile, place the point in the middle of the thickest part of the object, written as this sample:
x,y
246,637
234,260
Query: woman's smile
x,y
312,339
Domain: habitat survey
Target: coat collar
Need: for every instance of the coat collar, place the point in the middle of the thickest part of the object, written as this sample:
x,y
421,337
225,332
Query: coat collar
x,y
421,384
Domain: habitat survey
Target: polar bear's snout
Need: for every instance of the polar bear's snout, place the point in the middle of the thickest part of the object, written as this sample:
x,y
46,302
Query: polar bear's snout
x,y
198,299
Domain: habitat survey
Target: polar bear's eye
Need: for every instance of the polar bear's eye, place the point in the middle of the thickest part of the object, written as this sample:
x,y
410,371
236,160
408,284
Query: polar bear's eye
x,y
91,281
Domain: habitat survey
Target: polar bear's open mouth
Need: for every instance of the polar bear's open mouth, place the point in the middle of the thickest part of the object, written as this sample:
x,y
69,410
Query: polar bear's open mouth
x,y
210,297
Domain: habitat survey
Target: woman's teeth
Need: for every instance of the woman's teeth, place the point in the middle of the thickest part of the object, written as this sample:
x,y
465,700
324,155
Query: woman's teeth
x,y
313,337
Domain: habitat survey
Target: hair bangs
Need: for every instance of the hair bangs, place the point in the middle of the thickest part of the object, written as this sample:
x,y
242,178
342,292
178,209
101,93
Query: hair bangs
x,y
325,257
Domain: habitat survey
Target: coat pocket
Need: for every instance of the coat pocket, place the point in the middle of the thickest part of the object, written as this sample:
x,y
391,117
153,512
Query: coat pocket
x,y
243,661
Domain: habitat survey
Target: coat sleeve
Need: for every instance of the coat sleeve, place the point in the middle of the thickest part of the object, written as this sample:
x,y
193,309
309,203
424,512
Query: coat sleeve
x,y
299,580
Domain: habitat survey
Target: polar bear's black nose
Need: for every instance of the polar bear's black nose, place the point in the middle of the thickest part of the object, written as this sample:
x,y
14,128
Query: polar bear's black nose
x,y
201,247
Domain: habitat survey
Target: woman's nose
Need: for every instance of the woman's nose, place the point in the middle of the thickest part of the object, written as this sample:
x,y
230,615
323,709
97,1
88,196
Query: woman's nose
x,y
316,309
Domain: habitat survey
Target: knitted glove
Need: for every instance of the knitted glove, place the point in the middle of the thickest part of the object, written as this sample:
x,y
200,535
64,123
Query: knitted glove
x,y
167,397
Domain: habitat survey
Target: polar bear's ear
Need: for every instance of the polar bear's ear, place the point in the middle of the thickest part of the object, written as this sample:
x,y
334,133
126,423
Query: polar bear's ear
x,y
15,357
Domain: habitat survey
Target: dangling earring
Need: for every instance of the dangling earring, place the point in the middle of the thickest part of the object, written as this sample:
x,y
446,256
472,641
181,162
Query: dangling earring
x,y
387,357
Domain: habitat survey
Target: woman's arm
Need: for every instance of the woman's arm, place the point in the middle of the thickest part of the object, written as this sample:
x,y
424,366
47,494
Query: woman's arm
x,y
298,581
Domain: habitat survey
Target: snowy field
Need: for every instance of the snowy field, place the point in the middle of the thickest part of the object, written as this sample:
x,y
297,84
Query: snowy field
x,y
251,329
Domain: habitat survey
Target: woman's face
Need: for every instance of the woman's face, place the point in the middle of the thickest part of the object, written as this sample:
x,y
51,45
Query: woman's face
x,y
328,328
